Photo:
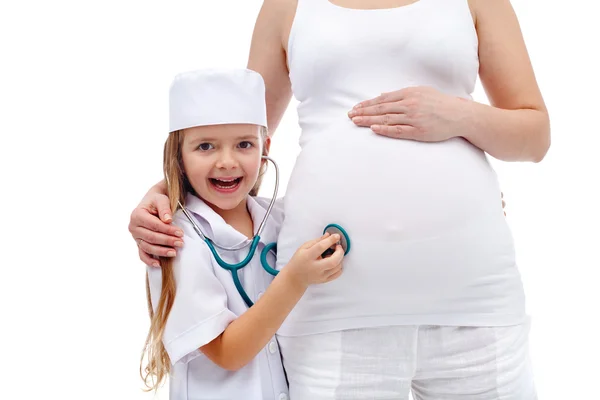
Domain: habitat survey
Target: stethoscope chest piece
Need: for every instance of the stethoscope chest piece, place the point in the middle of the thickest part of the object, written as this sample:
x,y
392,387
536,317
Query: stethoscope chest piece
x,y
344,238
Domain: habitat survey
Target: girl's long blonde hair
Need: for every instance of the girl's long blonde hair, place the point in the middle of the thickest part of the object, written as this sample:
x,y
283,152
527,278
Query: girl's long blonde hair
x,y
158,364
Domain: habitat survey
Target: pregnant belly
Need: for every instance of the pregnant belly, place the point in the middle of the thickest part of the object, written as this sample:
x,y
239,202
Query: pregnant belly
x,y
412,209
428,235
390,188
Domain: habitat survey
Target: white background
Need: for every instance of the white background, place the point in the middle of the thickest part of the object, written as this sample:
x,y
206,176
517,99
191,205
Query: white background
x,y
83,117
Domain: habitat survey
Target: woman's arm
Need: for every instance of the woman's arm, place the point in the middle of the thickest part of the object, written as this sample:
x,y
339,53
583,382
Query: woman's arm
x,y
150,221
150,226
516,126
268,56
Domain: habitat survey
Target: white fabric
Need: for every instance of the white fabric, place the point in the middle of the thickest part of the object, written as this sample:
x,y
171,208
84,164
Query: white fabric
x,y
435,363
430,243
215,97
206,302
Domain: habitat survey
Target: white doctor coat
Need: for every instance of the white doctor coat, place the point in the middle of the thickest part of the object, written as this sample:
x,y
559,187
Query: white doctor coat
x,y
206,301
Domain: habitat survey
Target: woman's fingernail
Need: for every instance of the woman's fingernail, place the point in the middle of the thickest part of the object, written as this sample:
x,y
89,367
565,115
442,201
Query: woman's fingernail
x,y
351,113
171,254
357,120
155,264
357,106
167,217
179,233
178,243
375,128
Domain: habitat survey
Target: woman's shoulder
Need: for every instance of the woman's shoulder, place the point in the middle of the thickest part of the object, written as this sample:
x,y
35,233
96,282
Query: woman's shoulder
x,y
278,14
280,5
279,8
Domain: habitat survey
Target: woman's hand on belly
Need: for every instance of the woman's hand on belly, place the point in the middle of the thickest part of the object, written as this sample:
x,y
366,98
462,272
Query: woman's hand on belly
x,y
416,113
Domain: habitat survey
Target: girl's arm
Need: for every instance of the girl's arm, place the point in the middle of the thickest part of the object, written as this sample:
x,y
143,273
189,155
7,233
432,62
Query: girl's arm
x,y
246,336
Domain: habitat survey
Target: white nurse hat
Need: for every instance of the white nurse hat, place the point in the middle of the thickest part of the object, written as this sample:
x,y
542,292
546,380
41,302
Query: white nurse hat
x,y
216,97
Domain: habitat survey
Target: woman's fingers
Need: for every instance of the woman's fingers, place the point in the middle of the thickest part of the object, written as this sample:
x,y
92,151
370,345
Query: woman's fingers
x,y
156,238
384,120
383,98
147,259
141,219
154,250
379,109
398,132
161,203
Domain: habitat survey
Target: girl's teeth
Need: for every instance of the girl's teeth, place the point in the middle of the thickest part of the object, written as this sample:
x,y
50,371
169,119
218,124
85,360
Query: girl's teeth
x,y
225,183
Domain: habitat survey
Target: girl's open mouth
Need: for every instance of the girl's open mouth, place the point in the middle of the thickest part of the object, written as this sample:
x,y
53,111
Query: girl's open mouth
x,y
225,185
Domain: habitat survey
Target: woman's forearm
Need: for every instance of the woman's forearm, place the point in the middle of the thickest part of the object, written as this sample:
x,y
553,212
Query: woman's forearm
x,y
508,135
245,337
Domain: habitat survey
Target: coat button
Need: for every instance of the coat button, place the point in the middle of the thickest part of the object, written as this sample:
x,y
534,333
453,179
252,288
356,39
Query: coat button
x,y
273,348
283,396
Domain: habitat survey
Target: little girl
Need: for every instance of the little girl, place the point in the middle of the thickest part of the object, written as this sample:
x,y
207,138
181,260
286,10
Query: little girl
x,y
202,334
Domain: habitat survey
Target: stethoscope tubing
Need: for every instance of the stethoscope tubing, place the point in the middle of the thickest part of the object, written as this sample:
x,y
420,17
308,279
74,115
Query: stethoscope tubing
x,y
234,268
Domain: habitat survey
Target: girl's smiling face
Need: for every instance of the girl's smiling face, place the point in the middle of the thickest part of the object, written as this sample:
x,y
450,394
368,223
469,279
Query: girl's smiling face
x,y
222,162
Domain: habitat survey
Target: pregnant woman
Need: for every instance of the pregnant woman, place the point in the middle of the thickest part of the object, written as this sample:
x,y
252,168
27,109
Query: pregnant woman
x,y
431,299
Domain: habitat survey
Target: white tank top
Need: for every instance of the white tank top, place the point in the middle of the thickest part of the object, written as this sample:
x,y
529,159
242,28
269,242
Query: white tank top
x,y
429,240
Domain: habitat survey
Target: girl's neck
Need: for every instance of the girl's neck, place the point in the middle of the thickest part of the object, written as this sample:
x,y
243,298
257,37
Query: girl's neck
x,y
238,217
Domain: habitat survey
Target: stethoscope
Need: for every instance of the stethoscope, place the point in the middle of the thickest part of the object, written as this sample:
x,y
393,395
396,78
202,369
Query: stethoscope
x,y
234,268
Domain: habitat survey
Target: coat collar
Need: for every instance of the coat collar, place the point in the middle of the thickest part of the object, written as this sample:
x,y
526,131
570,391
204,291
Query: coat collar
x,y
215,228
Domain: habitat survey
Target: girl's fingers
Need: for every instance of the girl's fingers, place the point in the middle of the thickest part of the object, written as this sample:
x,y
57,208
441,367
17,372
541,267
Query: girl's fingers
x,y
311,243
334,275
323,244
335,259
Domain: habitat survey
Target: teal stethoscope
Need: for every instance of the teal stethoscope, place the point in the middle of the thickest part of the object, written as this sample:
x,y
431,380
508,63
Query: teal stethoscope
x,y
234,268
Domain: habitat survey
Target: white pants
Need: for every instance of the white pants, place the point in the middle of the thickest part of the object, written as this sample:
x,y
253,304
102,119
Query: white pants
x,y
435,362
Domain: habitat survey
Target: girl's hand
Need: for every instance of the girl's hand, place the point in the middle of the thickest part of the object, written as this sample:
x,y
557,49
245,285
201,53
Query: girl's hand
x,y
153,235
417,113
308,267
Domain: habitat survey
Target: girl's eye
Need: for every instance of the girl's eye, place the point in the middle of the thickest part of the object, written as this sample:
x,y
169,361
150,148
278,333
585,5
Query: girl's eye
x,y
205,146
245,145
